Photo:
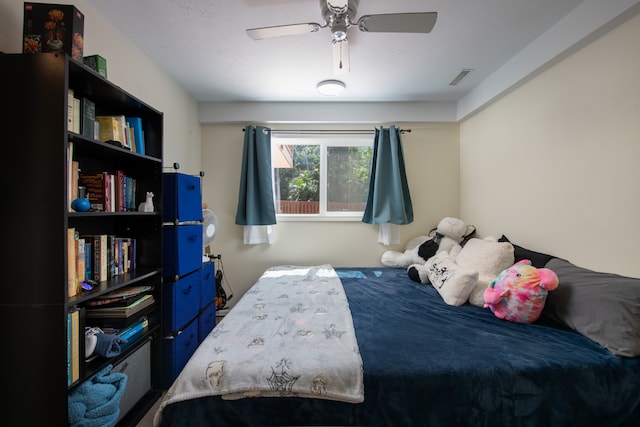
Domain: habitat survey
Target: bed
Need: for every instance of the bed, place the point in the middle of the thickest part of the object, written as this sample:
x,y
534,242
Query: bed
x,y
427,363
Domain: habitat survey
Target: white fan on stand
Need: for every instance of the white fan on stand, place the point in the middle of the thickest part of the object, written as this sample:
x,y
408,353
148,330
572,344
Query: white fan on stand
x,y
209,229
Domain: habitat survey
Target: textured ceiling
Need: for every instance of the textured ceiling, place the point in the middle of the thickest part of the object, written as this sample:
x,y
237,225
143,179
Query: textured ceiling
x,y
203,46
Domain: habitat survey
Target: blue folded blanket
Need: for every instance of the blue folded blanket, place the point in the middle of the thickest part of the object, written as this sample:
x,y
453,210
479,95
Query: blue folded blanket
x,y
96,402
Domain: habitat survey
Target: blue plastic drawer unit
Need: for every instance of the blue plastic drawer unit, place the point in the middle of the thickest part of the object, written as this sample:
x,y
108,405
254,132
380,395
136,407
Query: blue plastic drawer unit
x,y
182,249
206,321
182,198
180,301
177,349
207,284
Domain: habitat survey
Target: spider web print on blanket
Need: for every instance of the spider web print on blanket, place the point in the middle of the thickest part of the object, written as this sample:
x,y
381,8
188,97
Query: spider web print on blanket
x,y
291,334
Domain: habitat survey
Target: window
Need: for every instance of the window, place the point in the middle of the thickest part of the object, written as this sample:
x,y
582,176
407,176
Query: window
x,y
322,176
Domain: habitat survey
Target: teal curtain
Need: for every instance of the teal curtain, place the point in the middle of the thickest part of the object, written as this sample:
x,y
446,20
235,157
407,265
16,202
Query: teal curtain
x,y
255,199
389,200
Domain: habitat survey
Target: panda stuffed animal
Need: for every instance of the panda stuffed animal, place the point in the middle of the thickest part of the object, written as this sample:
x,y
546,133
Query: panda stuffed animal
x,y
449,233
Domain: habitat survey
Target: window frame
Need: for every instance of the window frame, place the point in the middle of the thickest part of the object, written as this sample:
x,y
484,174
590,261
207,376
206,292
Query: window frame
x,y
324,140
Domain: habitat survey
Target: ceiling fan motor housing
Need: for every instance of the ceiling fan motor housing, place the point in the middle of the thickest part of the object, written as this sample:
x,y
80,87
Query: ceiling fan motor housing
x,y
339,16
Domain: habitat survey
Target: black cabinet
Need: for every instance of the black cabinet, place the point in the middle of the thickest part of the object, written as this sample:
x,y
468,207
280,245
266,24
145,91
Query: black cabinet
x,y
37,189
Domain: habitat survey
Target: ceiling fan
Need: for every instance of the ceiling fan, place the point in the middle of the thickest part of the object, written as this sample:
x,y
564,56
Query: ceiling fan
x,y
339,16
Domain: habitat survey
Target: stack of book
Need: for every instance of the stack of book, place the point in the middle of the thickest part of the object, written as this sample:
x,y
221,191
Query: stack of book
x,y
120,304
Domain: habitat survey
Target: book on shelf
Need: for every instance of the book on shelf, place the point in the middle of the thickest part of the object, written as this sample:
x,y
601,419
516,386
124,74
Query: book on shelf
x,y
120,190
88,259
135,123
122,296
112,256
128,254
75,176
131,138
69,354
128,332
98,189
113,128
72,257
98,256
122,261
111,196
70,97
70,183
130,193
74,320
89,128
133,247
125,254
108,126
134,307
113,302
77,116
80,263
126,142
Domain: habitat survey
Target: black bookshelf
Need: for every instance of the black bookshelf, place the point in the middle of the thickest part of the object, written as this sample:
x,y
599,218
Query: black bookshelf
x,y
35,303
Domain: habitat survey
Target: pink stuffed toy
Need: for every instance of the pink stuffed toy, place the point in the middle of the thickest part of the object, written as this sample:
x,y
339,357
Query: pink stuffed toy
x,y
518,293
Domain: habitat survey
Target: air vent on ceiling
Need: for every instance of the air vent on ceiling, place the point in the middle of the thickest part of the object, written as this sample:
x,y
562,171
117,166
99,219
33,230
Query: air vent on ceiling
x,y
460,76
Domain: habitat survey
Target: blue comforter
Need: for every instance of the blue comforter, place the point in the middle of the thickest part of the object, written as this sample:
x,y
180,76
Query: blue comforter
x,y
430,364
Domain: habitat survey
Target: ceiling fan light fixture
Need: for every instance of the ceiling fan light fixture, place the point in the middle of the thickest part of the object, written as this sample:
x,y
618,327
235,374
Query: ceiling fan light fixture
x,y
339,34
339,29
331,87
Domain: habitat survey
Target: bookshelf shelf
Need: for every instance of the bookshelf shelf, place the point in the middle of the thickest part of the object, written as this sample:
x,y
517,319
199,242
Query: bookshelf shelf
x,y
38,217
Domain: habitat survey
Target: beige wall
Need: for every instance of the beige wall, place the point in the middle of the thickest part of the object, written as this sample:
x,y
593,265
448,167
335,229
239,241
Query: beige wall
x,y
431,156
130,69
555,165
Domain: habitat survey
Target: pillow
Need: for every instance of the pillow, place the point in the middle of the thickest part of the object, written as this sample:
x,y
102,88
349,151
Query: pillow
x,y
488,257
453,283
538,259
603,307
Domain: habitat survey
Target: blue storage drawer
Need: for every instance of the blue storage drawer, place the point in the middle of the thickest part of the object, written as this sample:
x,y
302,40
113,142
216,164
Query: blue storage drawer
x,y
206,321
180,301
207,284
182,249
177,349
181,198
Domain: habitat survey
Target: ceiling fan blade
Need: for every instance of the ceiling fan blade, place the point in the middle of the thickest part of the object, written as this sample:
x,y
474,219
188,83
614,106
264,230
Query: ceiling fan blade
x,y
340,56
420,22
282,30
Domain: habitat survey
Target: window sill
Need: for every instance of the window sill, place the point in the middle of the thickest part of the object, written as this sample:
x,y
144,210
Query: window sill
x,y
319,218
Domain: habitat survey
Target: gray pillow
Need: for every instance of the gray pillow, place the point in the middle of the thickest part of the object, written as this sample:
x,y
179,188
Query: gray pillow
x,y
538,259
603,307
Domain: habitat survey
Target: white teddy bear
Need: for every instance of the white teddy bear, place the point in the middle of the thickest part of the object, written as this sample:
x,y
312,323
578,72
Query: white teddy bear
x,y
449,233
404,259
463,275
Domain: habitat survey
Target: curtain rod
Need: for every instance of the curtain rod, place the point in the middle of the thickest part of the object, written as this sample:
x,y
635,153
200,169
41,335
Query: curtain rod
x,y
328,131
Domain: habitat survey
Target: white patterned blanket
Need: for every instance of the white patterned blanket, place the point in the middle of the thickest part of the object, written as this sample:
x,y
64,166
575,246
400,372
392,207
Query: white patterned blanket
x,y
291,334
